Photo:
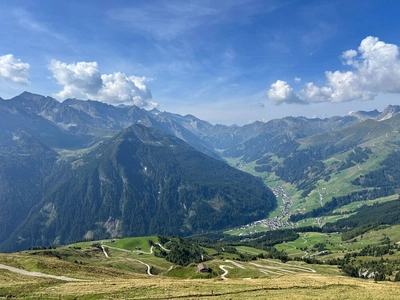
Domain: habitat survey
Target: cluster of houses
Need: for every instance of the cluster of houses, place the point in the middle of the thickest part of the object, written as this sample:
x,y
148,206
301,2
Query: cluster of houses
x,y
287,201
277,222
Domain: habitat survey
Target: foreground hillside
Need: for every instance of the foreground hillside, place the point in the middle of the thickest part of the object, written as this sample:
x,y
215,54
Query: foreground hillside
x,y
131,269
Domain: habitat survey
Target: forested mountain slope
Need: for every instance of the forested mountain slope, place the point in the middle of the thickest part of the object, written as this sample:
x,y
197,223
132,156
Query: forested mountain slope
x,y
24,164
142,182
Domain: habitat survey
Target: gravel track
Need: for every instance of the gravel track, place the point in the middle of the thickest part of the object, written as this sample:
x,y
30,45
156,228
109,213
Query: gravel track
x,y
38,274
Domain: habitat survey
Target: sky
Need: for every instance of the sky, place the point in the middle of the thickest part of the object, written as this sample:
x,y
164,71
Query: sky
x,y
225,61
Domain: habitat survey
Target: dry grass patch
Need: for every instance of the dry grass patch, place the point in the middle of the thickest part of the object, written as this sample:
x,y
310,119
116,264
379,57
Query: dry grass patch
x,y
289,287
55,266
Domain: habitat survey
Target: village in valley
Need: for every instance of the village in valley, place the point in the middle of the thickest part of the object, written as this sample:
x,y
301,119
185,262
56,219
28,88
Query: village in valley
x,y
277,222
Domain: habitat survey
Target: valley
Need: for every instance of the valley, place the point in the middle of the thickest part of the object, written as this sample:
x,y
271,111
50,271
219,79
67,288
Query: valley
x,y
292,206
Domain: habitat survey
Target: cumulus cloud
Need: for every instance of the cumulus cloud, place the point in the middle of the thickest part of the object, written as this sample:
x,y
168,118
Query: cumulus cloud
x,y
378,65
281,92
341,87
297,79
375,68
14,69
84,80
80,79
118,87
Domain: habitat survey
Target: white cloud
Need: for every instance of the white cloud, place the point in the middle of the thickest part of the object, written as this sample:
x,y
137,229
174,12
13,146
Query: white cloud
x,y
311,91
375,69
378,65
281,92
118,88
297,79
79,80
14,69
341,87
84,80
348,56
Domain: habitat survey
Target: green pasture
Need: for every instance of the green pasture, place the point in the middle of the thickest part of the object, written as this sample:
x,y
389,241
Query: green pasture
x,y
250,250
356,205
307,240
132,243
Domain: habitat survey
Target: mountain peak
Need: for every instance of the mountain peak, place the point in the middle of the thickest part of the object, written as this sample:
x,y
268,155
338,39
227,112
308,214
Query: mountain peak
x,y
154,111
148,135
30,96
363,115
39,99
389,112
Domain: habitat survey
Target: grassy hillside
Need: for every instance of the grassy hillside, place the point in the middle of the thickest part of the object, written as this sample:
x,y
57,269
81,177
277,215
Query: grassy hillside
x,y
122,275
338,173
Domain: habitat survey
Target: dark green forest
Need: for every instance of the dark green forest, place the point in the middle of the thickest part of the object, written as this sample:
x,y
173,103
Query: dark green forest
x,y
162,186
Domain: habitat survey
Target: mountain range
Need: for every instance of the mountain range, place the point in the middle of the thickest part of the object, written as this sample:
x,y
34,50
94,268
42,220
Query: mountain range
x,y
76,124
85,169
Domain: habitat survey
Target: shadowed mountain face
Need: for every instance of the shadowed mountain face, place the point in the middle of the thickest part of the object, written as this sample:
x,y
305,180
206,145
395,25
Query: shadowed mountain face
x,y
142,182
24,164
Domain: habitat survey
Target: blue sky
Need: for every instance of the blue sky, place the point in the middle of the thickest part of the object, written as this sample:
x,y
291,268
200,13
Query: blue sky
x,y
225,62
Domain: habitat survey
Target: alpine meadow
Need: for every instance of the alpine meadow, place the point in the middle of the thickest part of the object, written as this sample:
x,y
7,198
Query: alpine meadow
x,y
244,149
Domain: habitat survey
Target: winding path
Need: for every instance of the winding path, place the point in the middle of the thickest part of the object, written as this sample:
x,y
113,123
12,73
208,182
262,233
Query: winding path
x,y
235,264
273,268
37,274
306,269
222,267
131,259
165,249
288,244
129,251
120,249
267,272
104,251
148,267
142,252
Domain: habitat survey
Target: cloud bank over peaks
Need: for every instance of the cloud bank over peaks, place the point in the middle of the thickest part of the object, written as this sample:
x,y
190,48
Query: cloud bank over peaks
x,y
14,69
83,80
375,68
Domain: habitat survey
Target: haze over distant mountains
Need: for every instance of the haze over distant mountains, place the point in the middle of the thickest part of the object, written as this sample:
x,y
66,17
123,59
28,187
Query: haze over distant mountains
x,y
84,169
74,123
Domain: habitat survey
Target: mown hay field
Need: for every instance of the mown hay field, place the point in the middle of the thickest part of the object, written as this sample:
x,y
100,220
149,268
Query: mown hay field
x,y
299,286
